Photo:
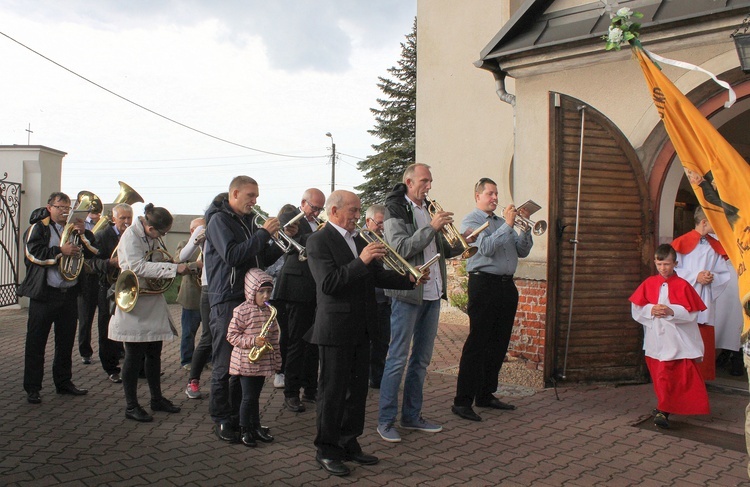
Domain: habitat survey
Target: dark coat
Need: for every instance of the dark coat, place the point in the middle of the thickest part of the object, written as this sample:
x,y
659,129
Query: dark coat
x,y
347,310
234,245
39,257
295,282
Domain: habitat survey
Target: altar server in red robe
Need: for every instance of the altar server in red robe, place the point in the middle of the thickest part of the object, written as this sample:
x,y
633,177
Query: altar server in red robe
x,y
667,306
702,261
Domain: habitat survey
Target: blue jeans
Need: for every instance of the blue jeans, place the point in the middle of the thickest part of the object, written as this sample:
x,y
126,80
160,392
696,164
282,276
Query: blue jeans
x,y
408,322
191,320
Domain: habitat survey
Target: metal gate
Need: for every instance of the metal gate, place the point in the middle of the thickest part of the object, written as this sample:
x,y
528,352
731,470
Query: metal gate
x,y
10,206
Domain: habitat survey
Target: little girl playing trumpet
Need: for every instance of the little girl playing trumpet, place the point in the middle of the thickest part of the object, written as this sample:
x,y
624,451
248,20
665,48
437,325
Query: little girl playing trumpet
x,y
254,331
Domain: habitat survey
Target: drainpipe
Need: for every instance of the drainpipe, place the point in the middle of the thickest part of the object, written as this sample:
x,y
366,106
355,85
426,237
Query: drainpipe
x,y
500,87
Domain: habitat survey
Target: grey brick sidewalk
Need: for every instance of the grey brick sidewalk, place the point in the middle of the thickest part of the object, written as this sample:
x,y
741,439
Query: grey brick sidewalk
x,y
585,438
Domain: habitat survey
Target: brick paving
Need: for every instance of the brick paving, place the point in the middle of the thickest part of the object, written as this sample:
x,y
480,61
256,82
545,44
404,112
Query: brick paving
x,y
587,437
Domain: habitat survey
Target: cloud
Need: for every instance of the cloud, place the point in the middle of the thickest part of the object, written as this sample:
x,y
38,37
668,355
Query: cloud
x,y
298,35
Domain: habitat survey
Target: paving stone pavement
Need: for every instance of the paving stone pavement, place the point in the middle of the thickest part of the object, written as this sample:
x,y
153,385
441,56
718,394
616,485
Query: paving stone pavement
x,y
584,438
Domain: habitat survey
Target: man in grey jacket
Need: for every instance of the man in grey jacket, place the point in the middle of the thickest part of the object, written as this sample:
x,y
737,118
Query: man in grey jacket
x,y
417,237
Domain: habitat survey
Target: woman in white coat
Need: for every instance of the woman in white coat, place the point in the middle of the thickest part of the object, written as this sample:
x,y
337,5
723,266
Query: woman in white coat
x,y
143,329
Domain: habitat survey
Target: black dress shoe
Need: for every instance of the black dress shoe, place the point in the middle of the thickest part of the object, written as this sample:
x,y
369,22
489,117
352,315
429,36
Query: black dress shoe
x,y
334,467
225,432
247,437
72,390
165,405
293,404
466,412
495,403
86,360
139,414
260,433
34,398
362,458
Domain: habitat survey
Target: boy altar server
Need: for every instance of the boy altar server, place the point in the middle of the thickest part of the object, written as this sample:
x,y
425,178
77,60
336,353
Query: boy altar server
x,y
667,306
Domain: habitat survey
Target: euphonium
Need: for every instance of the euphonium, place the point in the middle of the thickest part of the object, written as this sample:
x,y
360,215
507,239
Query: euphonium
x,y
127,195
256,352
128,286
281,239
71,265
451,233
392,259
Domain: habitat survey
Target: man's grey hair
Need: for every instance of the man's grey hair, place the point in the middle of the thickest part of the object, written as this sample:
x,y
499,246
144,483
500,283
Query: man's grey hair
x,y
335,199
374,210
122,207
409,172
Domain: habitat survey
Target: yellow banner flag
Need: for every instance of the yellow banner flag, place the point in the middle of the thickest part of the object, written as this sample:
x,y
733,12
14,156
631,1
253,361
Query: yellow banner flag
x,y
720,177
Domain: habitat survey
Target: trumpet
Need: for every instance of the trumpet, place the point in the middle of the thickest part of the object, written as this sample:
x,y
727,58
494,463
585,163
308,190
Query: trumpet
x,y
321,223
281,239
256,352
523,224
128,286
451,233
393,260
71,265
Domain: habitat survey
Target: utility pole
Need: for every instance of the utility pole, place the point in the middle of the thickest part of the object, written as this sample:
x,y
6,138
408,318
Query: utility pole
x,y
333,162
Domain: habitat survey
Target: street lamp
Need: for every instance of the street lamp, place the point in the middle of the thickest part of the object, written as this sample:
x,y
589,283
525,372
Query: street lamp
x,y
333,162
742,43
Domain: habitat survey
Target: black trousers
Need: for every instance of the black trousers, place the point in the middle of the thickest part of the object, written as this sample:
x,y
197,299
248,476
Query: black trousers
x,y
88,300
301,368
250,405
60,309
135,352
492,310
281,319
109,350
226,392
341,399
379,343
202,352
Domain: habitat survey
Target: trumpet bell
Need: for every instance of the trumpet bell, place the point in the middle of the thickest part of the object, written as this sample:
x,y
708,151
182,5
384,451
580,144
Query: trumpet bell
x,y
126,195
540,228
126,291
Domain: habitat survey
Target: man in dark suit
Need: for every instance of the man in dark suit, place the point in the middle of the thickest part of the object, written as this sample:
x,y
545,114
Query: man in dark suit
x,y
108,267
296,289
346,272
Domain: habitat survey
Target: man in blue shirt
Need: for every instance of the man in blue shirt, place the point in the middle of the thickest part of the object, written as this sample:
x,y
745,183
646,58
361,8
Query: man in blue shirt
x,y
493,298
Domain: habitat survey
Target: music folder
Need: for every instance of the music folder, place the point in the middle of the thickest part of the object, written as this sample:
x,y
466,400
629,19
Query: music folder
x,y
530,207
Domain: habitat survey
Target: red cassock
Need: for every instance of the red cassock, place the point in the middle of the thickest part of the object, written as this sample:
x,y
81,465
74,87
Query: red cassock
x,y
678,384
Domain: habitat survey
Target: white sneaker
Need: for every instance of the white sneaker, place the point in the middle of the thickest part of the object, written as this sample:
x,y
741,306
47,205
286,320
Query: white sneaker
x,y
278,381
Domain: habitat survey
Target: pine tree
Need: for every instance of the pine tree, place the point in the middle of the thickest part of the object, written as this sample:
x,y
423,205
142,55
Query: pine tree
x,y
396,127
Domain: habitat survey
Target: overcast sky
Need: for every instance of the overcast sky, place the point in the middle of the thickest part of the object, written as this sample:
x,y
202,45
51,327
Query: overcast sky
x,y
273,75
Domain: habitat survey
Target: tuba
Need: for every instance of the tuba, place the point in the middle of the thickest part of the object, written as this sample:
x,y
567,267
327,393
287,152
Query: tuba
x,y
71,265
256,352
451,233
128,286
393,260
127,195
281,239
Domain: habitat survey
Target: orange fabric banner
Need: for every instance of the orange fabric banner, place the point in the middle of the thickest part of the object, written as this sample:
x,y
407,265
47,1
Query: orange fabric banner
x,y
720,177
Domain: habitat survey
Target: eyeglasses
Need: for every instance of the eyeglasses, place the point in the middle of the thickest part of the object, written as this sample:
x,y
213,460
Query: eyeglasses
x,y
161,234
62,208
380,224
314,208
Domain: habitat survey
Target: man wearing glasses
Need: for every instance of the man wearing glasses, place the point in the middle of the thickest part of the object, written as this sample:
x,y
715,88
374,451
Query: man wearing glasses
x,y
296,289
53,299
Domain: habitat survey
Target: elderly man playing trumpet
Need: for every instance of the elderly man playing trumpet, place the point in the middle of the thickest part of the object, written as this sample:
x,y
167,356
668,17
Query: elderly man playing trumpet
x,y
493,298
